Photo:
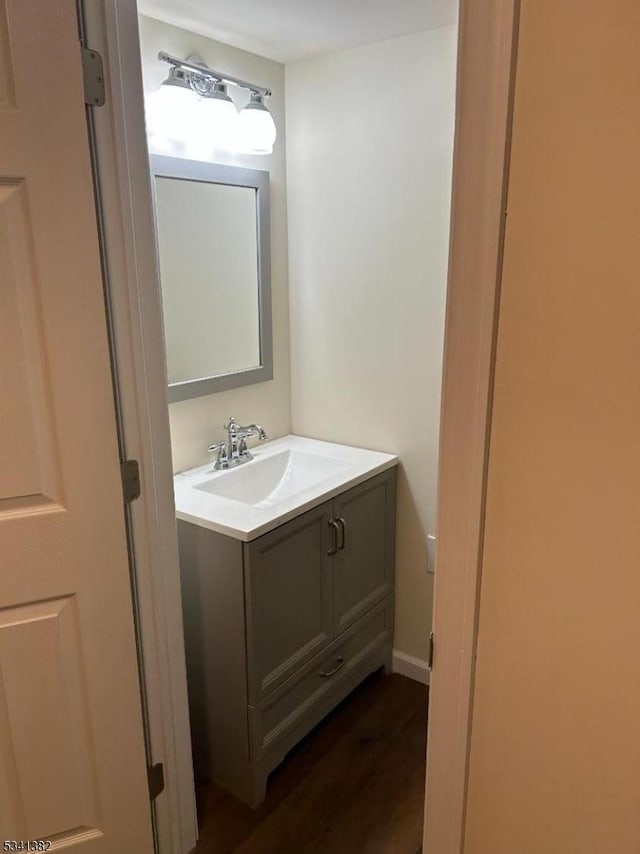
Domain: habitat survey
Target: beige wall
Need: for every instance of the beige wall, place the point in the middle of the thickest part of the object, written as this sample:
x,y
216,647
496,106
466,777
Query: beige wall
x,y
369,146
196,423
555,747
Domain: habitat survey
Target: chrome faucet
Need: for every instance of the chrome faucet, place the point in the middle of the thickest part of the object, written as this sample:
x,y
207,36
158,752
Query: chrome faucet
x,y
233,452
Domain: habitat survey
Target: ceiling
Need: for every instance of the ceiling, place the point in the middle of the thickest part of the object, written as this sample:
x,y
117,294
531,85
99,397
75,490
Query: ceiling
x,y
288,30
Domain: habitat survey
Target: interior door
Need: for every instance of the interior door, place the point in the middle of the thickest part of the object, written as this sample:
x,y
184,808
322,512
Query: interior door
x,y
72,760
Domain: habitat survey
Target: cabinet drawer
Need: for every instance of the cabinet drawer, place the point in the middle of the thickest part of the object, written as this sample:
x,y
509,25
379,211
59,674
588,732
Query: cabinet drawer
x,y
298,705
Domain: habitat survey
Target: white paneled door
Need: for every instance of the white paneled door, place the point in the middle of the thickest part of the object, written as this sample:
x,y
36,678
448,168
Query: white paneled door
x,y
72,760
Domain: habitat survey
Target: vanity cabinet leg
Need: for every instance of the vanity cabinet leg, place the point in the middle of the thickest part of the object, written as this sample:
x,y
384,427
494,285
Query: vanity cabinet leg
x,y
258,790
387,666
250,786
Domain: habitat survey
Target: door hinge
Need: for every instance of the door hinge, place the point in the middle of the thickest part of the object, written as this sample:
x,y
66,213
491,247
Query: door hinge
x,y
130,472
93,75
155,776
431,651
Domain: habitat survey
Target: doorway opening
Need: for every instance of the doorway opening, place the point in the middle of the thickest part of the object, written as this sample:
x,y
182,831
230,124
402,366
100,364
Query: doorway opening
x,y
347,316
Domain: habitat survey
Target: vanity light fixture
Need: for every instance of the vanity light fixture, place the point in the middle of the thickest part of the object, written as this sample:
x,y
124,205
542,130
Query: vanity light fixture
x,y
213,112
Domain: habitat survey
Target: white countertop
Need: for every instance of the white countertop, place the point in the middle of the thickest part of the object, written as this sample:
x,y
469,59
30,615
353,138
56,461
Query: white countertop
x,y
289,476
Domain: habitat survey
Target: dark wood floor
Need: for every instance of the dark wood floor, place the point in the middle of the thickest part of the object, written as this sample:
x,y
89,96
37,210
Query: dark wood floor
x,y
355,785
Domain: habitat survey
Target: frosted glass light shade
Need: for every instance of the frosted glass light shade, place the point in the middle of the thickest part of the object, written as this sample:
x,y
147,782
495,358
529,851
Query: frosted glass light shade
x,y
172,111
219,119
256,128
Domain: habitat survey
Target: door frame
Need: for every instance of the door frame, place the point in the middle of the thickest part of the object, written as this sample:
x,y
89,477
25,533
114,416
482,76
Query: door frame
x,y
487,48
123,198
486,61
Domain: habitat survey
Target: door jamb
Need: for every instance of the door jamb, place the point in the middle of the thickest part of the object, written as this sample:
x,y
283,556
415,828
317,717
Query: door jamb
x,y
487,44
135,307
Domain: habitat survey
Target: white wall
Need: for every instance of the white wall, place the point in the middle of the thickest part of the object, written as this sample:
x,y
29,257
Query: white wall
x,y
369,149
196,423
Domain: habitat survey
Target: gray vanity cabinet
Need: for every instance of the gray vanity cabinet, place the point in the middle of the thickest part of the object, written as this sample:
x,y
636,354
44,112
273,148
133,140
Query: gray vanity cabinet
x,y
280,629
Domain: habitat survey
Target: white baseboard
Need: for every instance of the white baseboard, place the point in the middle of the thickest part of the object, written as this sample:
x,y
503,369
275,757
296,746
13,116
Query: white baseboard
x,y
408,665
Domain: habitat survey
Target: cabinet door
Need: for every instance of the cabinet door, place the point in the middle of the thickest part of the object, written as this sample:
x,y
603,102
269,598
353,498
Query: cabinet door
x,y
288,598
363,567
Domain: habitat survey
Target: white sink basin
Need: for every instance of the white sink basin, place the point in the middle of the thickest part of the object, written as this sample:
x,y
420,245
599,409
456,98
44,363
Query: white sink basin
x,y
286,477
274,478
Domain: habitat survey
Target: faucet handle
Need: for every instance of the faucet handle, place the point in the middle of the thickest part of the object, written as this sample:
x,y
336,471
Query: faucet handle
x,y
221,459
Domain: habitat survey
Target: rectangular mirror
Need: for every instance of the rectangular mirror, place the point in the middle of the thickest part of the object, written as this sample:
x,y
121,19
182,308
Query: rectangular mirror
x,y
213,246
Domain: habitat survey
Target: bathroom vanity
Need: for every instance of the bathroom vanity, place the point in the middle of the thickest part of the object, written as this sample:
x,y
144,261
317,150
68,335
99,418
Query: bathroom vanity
x,y
287,568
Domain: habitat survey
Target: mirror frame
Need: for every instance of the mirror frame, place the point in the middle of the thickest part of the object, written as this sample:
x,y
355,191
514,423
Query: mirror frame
x,y
163,166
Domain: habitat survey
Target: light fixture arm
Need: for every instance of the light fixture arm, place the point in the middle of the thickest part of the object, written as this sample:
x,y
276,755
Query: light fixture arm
x,y
210,74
